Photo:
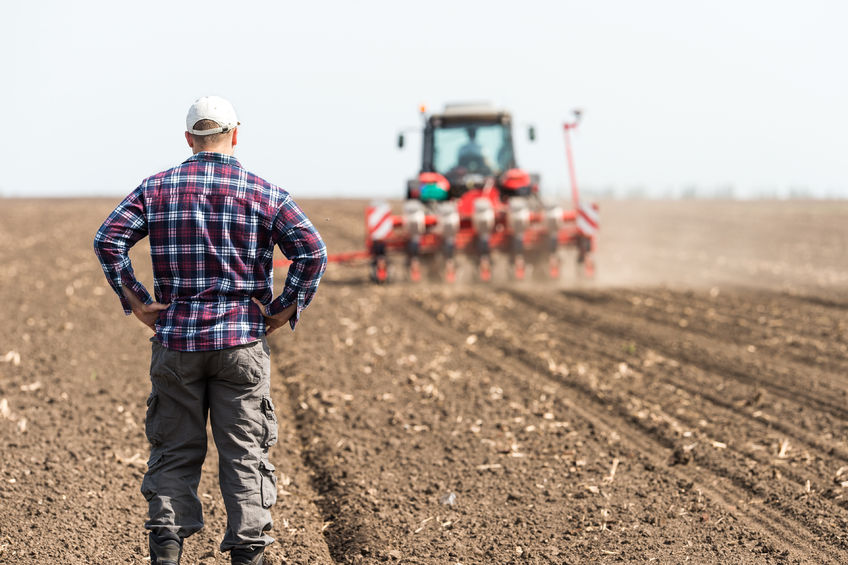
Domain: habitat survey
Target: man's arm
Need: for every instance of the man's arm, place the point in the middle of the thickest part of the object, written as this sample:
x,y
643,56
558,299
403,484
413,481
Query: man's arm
x,y
122,229
301,243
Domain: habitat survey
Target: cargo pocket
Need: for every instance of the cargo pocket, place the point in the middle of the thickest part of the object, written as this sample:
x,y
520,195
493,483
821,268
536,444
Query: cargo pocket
x,y
151,420
148,484
270,423
164,362
242,364
269,484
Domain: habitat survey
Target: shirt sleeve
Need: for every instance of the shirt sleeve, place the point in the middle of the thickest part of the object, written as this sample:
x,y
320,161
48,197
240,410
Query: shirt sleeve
x,y
122,229
301,243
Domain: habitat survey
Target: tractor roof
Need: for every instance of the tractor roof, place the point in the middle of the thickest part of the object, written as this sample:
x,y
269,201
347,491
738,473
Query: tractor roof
x,y
471,111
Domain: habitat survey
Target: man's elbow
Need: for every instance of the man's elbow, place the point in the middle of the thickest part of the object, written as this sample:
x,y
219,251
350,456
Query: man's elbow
x,y
108,250
318,263
318,251
99,241
322,255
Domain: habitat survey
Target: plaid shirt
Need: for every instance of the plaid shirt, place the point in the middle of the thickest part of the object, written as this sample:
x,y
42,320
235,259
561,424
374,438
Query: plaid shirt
x,y
212,228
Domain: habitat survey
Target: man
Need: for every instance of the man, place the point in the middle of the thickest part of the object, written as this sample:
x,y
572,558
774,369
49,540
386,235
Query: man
x,y
470,147
470,155
212,227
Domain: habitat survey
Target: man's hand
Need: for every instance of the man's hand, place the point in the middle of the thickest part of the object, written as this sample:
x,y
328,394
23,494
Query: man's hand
x,y
275,322
147,313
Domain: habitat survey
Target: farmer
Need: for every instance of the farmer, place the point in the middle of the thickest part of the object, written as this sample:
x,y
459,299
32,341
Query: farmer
x,y
212,227
470,149
470,156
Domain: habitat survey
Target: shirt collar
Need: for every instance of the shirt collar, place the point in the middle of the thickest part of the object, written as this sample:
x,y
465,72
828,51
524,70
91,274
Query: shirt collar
x,y
210,156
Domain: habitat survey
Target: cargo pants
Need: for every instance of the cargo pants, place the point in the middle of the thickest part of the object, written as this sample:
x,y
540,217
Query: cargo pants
x,y
232,387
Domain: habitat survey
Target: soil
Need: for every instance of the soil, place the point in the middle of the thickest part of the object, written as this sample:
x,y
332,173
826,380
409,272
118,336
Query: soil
x,y
689,405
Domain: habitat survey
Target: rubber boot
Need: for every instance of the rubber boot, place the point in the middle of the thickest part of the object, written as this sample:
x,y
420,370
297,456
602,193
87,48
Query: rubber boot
x,y
248,556
167,552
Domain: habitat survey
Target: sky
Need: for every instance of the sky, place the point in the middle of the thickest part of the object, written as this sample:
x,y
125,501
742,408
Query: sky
x,y
751,95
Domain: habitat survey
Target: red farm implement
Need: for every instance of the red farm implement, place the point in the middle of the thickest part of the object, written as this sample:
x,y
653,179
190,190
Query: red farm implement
x,y
472,200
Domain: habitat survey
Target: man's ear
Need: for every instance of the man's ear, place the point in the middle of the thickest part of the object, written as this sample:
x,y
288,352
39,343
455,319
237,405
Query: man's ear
x,y
235,136
189,140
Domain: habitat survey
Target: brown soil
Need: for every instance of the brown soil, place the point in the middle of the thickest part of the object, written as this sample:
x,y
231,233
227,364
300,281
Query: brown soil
x,y
688,406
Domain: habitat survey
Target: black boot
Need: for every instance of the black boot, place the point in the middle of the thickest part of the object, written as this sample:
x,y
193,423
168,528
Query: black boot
x,y
248,556
166,552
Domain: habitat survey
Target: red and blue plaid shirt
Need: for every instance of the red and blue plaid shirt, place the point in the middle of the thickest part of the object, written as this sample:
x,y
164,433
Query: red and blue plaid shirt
x,y
212,228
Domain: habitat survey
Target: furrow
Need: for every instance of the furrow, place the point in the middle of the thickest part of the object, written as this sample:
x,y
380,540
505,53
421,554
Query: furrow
x,y
829,456
698,385
732,487
347,536
770,327
783,381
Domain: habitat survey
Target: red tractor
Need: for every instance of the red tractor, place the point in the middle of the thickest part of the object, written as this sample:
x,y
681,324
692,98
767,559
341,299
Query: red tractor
x,y
472,198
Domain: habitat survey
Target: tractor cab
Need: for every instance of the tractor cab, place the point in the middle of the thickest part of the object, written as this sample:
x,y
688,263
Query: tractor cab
x,y
466,147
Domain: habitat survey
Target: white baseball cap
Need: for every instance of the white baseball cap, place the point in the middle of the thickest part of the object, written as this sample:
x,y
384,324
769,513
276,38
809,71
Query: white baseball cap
x,y
212,108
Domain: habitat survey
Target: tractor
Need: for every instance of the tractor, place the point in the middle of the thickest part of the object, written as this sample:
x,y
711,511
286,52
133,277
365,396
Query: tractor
x,y
471,197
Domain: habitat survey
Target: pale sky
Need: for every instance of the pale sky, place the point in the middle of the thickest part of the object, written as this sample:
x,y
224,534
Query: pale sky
x,y
675,93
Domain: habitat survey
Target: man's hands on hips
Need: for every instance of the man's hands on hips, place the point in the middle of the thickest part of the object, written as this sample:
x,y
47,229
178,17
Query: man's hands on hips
x,y
275,322
147,313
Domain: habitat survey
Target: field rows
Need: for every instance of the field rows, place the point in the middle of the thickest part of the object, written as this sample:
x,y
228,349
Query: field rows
x,y
664,406
689,406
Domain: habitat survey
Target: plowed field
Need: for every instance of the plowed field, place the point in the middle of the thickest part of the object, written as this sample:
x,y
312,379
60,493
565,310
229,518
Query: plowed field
x,y
691,405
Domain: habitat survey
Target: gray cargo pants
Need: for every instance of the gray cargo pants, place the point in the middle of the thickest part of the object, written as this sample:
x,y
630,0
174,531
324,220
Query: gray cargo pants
x,y
232,386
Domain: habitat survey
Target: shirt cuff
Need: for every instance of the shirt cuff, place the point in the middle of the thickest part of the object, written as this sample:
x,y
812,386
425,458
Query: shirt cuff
x,y
133,286
283,302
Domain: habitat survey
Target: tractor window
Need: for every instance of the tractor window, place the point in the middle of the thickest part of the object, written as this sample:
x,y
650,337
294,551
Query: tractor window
x,y
474,148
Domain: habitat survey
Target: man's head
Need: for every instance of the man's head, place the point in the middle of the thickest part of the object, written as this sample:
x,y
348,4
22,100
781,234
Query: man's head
x,y
212,125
